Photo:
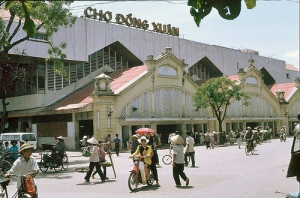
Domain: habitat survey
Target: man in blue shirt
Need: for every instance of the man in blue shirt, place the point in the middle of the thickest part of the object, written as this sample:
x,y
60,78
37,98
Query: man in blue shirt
x,y
14,149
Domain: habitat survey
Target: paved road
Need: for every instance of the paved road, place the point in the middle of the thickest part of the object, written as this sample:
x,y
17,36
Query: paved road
x,y
220,172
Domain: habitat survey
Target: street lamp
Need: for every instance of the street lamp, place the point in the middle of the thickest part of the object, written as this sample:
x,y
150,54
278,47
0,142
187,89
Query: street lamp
x,y
110,110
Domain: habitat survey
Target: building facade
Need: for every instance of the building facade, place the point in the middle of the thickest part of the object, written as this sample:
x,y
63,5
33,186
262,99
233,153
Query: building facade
x,y
110,88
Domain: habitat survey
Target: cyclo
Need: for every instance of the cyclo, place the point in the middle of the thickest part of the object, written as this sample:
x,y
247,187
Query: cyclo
x,y
52,159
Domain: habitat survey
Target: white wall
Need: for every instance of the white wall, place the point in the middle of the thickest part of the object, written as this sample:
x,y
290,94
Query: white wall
x,y
88,36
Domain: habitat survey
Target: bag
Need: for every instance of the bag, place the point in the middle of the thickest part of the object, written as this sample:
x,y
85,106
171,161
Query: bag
x,y
86,152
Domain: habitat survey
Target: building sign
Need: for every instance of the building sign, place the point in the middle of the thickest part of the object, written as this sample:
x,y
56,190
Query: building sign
x,y
130,21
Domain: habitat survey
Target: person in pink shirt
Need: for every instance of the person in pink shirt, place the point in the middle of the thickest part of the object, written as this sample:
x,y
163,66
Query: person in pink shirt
x,y
101,154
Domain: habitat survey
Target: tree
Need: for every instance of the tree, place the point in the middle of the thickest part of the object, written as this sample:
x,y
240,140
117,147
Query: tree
x,y
218,93
49,16
228,9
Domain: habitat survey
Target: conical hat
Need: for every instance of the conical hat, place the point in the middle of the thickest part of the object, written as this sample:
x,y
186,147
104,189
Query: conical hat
x,y
92,141
177,139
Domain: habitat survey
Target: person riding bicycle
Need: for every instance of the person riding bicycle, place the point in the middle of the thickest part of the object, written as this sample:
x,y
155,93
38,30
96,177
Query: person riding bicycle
x,y
145,151
249,137
60,148
24,165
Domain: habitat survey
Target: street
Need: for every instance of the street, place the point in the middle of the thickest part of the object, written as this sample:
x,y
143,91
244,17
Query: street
x,y
219,172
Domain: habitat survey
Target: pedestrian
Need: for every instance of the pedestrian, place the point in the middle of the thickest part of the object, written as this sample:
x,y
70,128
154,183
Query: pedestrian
x,y
153,168
108,141
83,141
178,161
117,142
25,164
102,159
212,139
207,140
189,150
94,160
134,143
14,150
239,137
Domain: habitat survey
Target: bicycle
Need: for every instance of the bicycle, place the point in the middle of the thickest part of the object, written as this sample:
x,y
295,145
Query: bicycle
x,y
5,162
26,190
249,148
167,159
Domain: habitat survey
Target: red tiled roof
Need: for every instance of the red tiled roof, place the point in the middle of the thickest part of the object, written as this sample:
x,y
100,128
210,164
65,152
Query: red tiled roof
x,y
291,67
286,87
119,78
125,75
234,77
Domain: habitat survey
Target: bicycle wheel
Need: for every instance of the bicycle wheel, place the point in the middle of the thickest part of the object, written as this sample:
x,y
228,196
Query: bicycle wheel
x,y
247,150
57,164
132,182
167,159
4,166
65,162
3,192
43,166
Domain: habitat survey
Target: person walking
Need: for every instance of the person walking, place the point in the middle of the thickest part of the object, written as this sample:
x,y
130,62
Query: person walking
x,y
212,139
178,161
101,154
117,142
189,150
239,137
94,160
207,140
108,141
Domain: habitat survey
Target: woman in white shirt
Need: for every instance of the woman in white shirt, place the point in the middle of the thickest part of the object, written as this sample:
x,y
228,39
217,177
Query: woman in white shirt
x,y
178,160
94,160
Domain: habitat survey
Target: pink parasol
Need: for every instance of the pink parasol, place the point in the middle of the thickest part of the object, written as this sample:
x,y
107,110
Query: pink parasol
x,y
143,131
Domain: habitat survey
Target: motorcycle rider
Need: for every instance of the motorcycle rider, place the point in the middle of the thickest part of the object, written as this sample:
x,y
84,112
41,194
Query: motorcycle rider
x,y
249,137
145,151
282,133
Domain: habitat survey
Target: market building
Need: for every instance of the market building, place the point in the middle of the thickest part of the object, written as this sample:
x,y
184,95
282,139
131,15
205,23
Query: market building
x,y
122,78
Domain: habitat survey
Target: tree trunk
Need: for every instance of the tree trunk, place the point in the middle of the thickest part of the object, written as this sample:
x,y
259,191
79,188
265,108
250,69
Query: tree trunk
x,y
220,126
4,113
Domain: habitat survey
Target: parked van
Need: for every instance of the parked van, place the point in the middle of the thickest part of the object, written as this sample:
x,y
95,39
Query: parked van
x,y
27,137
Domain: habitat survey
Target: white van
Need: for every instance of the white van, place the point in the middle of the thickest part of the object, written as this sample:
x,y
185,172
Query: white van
x,y
27,137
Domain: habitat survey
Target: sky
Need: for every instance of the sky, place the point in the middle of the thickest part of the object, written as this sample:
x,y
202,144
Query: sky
x,y
271,28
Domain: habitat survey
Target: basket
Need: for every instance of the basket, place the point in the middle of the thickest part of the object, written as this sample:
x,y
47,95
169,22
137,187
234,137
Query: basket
x,y
47,146
106,164
82,170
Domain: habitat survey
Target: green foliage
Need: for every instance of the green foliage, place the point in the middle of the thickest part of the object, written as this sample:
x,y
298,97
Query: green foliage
x,y
228,9
218,93
49,16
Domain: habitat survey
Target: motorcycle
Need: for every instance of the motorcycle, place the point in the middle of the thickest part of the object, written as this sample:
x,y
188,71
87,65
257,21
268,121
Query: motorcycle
x,y
282,137
137,174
